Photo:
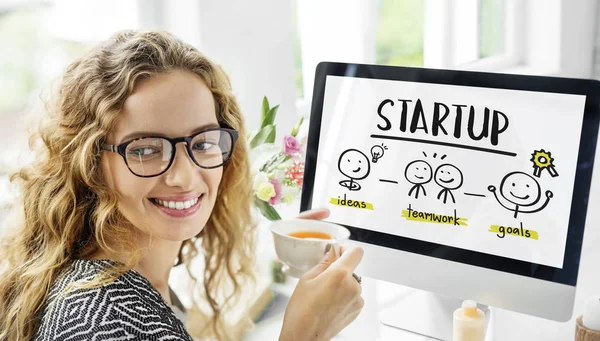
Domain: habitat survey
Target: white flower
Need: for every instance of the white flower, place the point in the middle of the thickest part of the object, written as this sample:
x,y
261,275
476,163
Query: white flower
x,y
260,179
289,194
278,174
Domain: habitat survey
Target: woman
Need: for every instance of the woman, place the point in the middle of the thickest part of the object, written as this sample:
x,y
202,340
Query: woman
x,y
136,168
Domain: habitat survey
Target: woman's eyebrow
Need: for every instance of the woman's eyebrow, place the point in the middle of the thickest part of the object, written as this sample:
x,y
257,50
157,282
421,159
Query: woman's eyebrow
x,y
205,127
137,134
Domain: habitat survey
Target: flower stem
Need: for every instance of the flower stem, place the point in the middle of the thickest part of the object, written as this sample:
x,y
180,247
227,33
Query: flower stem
x,y
273,162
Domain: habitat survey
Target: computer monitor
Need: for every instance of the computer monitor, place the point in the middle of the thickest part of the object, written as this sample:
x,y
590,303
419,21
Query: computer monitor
x,y
468,185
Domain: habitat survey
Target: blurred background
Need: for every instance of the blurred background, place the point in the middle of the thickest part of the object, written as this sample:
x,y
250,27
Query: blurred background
x,y
271,47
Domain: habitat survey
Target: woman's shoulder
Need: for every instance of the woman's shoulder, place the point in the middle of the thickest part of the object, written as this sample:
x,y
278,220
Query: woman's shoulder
x,y
126,308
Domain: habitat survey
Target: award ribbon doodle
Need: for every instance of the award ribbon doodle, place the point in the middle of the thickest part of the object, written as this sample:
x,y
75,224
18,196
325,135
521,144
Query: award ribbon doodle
x,y
543,160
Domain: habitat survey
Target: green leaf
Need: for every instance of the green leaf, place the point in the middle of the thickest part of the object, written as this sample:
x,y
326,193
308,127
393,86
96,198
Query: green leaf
x,y
265,134
270,213
265,110
267,210
271,135
269,119
297,127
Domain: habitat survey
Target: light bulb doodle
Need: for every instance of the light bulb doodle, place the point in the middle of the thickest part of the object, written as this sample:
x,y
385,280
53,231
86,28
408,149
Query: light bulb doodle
x,y
377,152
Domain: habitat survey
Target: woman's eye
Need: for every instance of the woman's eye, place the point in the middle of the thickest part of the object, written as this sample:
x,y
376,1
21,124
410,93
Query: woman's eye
x,y
143,151
204,145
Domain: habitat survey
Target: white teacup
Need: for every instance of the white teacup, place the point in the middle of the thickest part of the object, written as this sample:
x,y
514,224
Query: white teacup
x,y
301,254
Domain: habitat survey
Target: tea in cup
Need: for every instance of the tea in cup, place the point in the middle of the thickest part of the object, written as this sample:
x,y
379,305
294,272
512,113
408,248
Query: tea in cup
x,y
310,234
301,243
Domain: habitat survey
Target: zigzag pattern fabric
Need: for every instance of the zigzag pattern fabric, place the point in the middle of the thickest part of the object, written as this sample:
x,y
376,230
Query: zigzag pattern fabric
x,y
129,308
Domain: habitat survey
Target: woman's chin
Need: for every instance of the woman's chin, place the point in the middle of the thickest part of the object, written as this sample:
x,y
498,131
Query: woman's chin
x,y
179,233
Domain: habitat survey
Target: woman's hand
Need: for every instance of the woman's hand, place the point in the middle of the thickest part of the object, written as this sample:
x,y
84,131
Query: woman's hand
x,y
327,297
318,214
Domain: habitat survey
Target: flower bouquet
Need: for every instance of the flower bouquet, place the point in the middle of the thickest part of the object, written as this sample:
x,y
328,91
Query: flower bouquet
x,y
278,170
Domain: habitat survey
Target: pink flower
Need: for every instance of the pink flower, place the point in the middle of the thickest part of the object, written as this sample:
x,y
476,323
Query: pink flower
x,y
275,200
296,173
290,145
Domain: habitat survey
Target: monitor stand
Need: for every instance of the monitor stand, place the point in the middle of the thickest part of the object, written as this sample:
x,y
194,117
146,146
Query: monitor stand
x,y
426,314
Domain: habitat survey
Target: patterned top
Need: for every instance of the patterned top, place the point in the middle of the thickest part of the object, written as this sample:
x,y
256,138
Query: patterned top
x,y
130,308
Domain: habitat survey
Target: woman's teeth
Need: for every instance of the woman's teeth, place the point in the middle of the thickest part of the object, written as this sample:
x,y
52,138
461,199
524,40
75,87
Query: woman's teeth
x,y
177,205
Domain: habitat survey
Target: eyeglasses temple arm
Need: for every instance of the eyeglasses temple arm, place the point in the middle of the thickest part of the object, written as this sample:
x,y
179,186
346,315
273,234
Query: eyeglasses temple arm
x,y
109,147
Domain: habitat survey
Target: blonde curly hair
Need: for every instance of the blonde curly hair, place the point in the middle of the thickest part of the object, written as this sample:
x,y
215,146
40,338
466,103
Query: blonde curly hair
x,y
69,212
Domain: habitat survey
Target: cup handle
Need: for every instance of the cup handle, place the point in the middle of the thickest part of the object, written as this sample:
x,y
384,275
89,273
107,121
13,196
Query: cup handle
x,y
333,244
336,248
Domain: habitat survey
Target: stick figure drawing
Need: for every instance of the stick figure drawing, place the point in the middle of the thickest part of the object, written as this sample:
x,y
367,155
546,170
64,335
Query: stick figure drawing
x,y
354,165
450,178
519,193
418,173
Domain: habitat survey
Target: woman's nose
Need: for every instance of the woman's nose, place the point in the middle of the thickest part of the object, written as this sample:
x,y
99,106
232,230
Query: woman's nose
x,y
183,170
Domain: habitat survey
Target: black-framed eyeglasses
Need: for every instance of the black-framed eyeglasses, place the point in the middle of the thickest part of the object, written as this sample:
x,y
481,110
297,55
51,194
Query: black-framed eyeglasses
x,y
150,156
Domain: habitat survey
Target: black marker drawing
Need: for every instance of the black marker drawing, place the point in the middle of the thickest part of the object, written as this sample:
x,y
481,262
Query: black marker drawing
x,y
418,173
450,178
446,144
377,151
543,160
389,181
520,190
435,155
355,165
475,195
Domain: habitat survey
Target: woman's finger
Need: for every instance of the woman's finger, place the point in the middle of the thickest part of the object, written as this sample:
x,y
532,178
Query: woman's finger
x,y
316,214
350,257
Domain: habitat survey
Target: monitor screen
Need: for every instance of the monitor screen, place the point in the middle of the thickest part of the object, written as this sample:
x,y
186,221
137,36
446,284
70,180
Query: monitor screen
x,y
485,169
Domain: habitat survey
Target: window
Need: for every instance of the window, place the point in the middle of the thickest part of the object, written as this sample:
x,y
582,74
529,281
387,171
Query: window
x,y
39,39
32,59
469,34
491,27
297,51
399,37
31,55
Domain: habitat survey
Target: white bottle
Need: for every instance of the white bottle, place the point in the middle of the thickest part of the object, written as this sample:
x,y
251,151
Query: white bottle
x,y
468,323
591,314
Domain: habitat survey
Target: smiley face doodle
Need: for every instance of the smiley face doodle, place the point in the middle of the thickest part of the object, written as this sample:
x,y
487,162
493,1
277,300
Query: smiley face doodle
x,y
355,165
418,173
450,178
518,190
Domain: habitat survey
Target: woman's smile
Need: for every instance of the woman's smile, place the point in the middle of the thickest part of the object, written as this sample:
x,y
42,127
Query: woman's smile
x,y
178,208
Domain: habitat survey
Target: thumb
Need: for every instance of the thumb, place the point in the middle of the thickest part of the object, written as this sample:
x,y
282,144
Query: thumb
x,y
325,262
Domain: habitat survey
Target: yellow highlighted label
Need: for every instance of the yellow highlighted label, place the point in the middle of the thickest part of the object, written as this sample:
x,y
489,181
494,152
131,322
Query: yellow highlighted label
x,y
427,217
351,203
503,231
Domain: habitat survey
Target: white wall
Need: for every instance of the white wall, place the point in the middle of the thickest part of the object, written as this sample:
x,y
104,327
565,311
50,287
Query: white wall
x,y
562,34
251,40
336,31
559,37
596,53
579,20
